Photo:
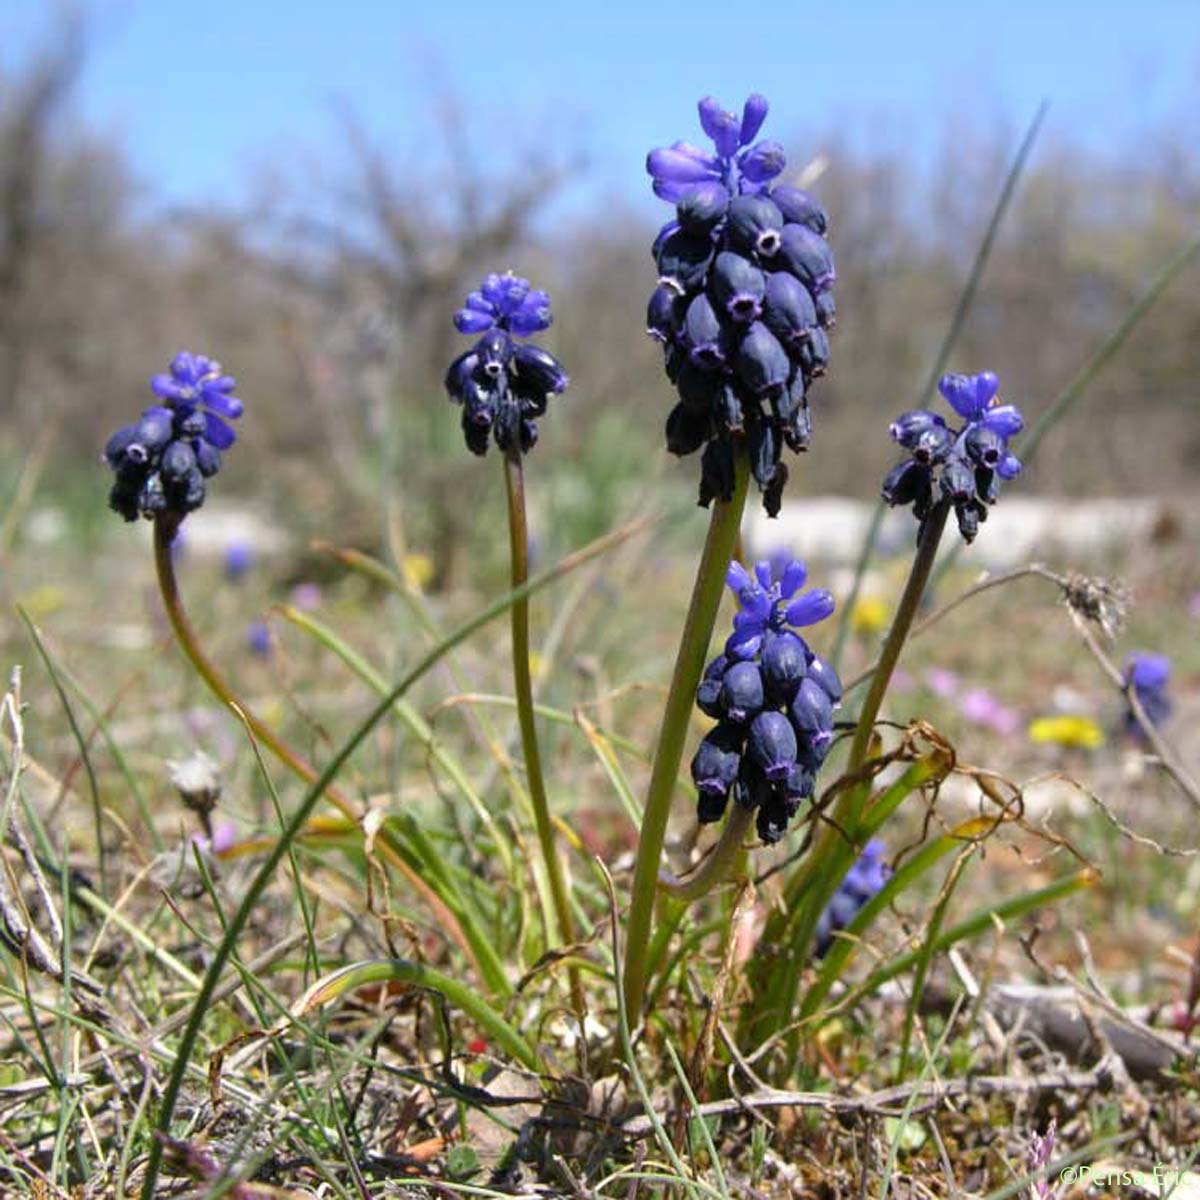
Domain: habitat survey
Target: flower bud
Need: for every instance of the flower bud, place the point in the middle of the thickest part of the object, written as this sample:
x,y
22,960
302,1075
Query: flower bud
x,y
763,161
703,333
906,481
537,370
799,208
755,226
687,429
702,208
958,481
742,692
984,446
909,426
789,312
736,287
822,671
664,314
815,605
812,712
762,363
933,445
683,259
708,694
784,665
155,429
178,460
717,758
808,257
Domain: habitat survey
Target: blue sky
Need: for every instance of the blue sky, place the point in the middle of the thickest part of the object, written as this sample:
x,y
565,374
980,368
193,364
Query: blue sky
x,y
207,94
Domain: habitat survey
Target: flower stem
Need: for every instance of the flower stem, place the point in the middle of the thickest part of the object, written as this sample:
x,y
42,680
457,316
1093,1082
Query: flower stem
x,y
164,532
518,538
689,663
910,601
811,886
716,868
476,947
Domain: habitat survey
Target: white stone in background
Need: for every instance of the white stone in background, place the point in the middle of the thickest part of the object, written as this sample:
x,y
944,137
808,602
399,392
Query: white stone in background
x,y
217,526
1043,798
1019,529
45,525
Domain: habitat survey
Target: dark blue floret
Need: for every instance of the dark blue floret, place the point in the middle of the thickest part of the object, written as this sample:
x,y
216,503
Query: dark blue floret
x,y
504,385
758,255
754,688
964,466
160,462
715,765
863,882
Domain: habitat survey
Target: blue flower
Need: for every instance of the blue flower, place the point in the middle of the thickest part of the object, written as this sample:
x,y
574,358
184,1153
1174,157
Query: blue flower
x,y
239,558
863,882
964,466
743,301
773,699
161,462
258,639
768,605
502,385
1149,674
197,382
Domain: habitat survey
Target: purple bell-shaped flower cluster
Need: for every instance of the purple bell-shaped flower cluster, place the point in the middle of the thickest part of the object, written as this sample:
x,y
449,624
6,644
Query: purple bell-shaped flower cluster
x,y
863,882
162,461
1149,674
773,700
503,385
962,466
743,302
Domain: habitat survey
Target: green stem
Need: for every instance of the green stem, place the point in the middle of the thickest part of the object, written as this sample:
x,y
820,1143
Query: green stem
x,y
518,540
717,866
458,925
810,887
702,613
164,532
910,601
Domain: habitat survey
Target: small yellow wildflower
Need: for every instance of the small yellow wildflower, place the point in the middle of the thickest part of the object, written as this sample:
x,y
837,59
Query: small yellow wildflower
x,y
418,570
1077,732
870,614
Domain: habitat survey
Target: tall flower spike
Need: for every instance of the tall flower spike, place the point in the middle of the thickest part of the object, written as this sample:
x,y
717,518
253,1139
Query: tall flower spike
x,y
773,699
743,301
161,462
966,465
503,385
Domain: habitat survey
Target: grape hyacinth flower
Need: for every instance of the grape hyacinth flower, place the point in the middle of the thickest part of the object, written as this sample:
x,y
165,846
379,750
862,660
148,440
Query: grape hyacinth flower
x,y
743,302
258,639
162,461
503,385
962,466
863,882
239,558
1149,675
773,700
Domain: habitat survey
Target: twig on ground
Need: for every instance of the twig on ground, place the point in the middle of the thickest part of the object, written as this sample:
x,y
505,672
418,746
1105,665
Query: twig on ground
x,y
926,1096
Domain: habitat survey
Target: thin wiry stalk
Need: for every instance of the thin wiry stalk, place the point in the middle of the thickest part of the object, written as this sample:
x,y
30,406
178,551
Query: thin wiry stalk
x,y
518,537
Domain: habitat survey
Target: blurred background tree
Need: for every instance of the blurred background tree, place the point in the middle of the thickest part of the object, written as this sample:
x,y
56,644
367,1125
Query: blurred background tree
x,y
330,298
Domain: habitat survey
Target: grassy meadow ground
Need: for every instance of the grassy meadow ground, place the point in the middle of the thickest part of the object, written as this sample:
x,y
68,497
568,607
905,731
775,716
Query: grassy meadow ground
x,y
390,1090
